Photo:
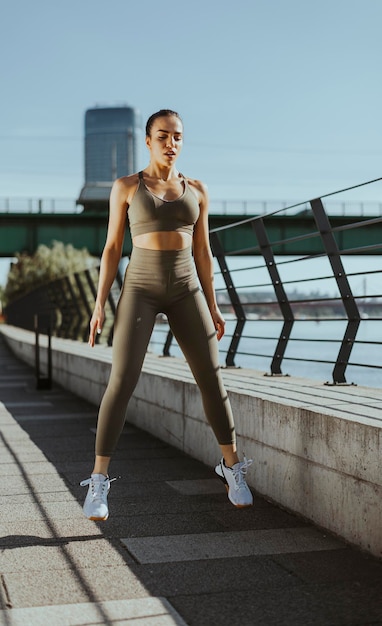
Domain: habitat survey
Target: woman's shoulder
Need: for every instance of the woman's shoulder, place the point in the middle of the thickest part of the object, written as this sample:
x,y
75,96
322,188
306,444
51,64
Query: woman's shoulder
x,y
198,187
125,182
126,186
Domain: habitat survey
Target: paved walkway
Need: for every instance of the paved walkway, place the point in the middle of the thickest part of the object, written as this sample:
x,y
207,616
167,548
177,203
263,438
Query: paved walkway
x,y
174,551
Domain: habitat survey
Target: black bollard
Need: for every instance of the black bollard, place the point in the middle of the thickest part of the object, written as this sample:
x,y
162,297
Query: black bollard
x,y
43,323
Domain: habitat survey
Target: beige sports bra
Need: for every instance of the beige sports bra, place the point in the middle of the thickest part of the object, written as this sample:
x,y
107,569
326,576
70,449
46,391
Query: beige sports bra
x,y
148,213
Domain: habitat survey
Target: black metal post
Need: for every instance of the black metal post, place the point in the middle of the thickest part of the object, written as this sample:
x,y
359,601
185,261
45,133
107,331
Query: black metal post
x,y
78,278
344,288
166,347
93,290
76,315
218,252
43,382
282,298
113,306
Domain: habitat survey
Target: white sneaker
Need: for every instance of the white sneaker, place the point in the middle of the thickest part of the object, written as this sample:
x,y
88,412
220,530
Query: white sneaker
x,y
234,478
95,506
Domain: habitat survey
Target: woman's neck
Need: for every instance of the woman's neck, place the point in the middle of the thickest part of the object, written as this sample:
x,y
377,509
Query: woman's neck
x,y
161,173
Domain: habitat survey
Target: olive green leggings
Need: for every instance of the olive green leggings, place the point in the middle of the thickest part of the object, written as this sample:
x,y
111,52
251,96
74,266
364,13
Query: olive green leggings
x,y
155,282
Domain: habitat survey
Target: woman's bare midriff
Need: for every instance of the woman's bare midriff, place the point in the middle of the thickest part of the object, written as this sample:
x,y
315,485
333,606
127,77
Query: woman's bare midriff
x,y
163,240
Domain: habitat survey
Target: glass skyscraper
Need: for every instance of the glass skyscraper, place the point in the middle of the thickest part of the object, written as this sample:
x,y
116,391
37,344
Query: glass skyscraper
x,y
112,140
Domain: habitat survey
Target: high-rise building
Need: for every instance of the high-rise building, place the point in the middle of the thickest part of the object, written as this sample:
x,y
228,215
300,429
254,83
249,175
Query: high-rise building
x,y
112,138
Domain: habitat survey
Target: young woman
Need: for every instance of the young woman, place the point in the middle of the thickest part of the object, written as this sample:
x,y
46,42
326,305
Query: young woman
x,y
168,218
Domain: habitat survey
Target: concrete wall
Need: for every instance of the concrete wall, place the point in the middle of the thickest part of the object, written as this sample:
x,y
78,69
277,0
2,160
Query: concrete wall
x,y
316,449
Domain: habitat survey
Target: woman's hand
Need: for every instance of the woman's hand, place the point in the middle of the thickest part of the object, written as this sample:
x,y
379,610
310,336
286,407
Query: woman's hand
x,y
96,323
219,323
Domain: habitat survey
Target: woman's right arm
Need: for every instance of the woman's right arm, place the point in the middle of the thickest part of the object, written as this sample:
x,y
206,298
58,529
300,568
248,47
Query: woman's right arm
x,y
112,252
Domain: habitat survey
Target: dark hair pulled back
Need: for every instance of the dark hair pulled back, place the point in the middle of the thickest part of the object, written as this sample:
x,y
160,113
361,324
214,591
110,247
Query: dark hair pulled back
x,y
161,113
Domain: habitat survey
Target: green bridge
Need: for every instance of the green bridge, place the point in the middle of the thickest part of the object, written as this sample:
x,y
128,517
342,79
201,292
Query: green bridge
x,y
24,232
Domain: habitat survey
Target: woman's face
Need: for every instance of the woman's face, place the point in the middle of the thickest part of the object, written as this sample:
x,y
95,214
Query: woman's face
x,y
166,140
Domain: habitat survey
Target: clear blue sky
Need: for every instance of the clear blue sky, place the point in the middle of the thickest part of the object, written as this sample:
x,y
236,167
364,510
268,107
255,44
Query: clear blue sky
x,y
280,99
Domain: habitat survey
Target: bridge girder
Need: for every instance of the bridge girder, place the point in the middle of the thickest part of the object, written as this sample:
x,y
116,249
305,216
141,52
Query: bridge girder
x,y
21,232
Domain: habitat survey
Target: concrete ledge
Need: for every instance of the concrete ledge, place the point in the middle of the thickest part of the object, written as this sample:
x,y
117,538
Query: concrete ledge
x,y
316,448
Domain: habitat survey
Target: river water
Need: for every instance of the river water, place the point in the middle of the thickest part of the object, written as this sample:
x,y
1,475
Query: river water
x,y
311,353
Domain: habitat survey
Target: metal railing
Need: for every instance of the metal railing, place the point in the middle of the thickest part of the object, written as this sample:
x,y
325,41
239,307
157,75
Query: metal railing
x,y
261,207
48,206
317,315
284,294
13,204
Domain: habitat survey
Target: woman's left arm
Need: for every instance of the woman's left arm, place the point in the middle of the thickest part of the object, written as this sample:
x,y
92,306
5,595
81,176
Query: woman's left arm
x,y
204,260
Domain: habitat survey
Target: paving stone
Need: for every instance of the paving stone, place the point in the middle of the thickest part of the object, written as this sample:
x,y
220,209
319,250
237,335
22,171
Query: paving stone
x,y
217,545
197,487
142,611
66,586
47,532
280,606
